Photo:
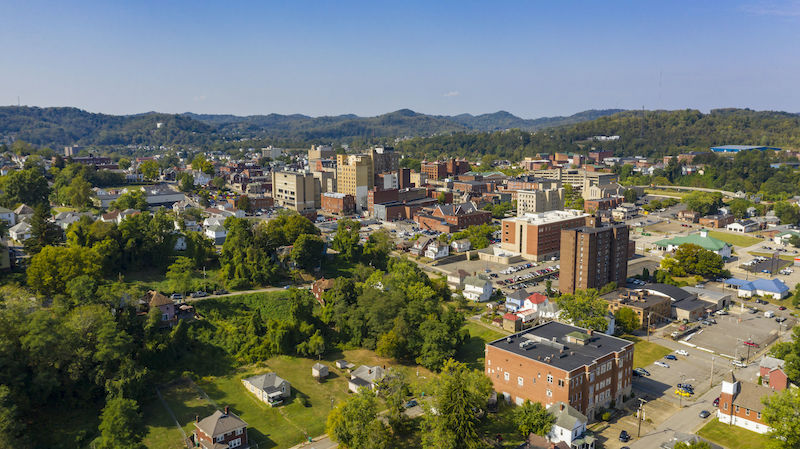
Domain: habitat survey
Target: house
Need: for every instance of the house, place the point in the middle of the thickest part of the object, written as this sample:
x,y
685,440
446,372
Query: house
x,y
23,211
437,250
569,427
459,246
688,215
743,226
20,232
420,245
8,215
549,311
165,305
320,286
365,376
456,279
716,221
319,371
773,373
535,301
515,300
477,288
269,388
740,404
217,234
701,239
774,288
220,430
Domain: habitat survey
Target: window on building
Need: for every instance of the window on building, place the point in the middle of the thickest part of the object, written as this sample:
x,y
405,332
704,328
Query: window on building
x,y
549,393
747,412
505,376
239,431
737,409
758,415
560,382
220,438
724,406
549,378
235,443
519,381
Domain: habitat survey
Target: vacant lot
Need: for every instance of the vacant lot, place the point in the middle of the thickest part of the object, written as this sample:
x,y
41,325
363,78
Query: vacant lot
x,y
301,416
735,239
473,351
732,437
645,352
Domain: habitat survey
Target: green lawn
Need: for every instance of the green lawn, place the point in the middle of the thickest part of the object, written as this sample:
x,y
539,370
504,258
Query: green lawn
x,y
473,351
270,427
645,352
667,192
735,239
732,437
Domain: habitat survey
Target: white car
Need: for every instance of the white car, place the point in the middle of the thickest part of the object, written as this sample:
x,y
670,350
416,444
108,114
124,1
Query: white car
x,y
660,363
738,364
682,352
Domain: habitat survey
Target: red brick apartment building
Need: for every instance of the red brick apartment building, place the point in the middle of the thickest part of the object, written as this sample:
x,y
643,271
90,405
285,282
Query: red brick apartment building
x,y
452,217
442,169
538,236
593,255
555,362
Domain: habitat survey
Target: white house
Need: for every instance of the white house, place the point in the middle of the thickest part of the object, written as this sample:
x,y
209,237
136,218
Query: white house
x,y
200,178
477,288
180,242
217,234
20,232
459,246
437,250
569,427
456,279
743,226
8,215
269,388
783,237
365,376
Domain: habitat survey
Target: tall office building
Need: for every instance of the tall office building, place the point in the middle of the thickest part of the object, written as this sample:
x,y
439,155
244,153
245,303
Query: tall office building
x,y
535,201
384,160
355,176
299,191
593,255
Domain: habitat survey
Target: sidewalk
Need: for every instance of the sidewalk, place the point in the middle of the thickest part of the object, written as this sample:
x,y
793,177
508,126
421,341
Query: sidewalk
x,y
320,442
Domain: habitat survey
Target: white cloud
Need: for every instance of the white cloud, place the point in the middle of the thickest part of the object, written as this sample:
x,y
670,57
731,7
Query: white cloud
x,y
452,93
787,8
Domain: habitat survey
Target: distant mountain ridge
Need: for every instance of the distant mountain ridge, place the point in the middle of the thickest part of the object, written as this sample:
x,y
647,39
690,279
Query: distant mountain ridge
x,y
66,126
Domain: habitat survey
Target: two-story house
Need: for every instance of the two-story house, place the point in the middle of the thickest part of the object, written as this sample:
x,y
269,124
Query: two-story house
x,y
221,430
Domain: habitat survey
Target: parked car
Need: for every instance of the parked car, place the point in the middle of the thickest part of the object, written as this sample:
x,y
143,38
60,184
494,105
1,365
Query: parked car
x,y
176,296
670,357
716,402
705,414
682,352
782,308
661,364
624,437
780,319
683,393
738,364
411,403
199,294
642,371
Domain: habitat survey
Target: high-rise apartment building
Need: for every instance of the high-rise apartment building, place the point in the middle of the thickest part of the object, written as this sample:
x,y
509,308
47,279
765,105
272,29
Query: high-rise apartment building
x,y
299,191
355,176
593,255
384,160
538,236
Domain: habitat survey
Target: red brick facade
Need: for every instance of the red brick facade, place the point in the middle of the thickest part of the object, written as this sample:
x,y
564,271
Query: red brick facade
x,y
338,204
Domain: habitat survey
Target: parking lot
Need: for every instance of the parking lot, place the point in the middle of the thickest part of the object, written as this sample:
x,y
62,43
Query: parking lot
x,y
525,276
766,265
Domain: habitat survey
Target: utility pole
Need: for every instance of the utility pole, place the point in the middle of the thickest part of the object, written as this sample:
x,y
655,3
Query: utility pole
x,y
642,402
648,325
711,379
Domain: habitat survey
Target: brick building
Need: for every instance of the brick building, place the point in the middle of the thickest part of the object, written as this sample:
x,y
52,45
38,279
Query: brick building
x,y
717,221
452,217
595,205
649,308
740,404
434,170
593,255
555,362
221,429
338,203
538,236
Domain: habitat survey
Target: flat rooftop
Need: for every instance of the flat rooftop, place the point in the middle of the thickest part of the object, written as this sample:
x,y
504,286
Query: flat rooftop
x,y
552,216
551,343
630,298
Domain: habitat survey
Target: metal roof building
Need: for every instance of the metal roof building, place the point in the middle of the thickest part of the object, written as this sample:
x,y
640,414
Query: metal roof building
x,y
738,148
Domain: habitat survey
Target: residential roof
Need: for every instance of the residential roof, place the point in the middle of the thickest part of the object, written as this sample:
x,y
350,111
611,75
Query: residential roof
x,y
510,316
675,293
220,423
268,382
157,299
537,298
750,395
3,210
368,373
319,366
771,363
708,242
550,338
517,295
690,304
566,415
476,281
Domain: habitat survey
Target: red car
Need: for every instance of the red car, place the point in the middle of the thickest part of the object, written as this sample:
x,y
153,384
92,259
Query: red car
x,y
750,343
716,402
782,308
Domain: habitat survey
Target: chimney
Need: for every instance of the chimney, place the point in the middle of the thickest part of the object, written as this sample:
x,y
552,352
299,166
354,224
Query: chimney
x,y
227,409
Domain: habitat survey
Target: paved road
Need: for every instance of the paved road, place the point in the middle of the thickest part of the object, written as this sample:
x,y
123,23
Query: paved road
x,y
687,420
320,442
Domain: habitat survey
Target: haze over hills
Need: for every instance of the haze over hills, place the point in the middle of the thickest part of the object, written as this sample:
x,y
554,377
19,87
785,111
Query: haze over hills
x,y
57,126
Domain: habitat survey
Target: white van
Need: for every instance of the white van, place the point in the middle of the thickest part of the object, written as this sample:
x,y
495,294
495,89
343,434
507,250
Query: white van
x,y
769,314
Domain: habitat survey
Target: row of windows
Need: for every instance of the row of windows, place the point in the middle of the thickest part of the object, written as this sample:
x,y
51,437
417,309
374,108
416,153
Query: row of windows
x,y
746,411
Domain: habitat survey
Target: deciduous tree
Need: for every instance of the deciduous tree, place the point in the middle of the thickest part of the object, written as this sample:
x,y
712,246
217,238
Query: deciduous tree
x,y
584,309
121,425
532,417
780,413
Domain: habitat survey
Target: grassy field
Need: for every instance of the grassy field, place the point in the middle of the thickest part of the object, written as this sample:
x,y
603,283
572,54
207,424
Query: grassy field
x,y
666,192
279,427
473,351
732,437
645,352
735,239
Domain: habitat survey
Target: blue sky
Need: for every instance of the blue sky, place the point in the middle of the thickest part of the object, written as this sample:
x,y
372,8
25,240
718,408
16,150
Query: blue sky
x,y
531,58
